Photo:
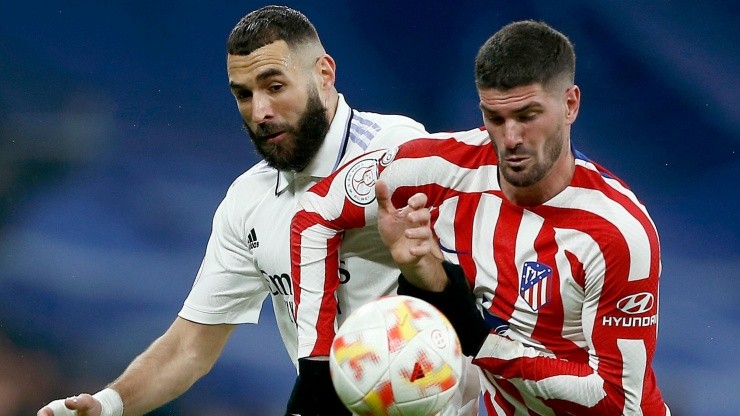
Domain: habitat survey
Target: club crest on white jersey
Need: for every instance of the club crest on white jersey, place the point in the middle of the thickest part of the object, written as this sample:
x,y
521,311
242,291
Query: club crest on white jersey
x,y
360,182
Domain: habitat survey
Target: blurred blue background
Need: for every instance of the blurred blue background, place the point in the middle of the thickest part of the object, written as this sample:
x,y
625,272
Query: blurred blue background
x,y
119,137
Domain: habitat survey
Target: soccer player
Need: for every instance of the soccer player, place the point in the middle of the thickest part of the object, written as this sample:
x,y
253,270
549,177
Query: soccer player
x,y
283,83
513,219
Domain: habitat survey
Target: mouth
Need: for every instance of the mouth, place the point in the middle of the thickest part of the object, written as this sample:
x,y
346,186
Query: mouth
x,y
516,161
274,137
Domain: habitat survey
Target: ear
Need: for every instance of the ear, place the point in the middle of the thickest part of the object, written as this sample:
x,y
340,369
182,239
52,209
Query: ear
x,y
326,71
572,103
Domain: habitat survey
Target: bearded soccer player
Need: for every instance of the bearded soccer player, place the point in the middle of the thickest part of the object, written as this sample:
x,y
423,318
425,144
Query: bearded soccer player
x,y
283,83
512,219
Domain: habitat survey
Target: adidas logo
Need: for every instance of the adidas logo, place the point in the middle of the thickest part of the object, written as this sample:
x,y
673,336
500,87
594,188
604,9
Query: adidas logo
x,y
252,240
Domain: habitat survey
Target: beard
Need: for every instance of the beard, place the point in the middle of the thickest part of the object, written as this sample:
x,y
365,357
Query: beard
x,y
298,150
524,177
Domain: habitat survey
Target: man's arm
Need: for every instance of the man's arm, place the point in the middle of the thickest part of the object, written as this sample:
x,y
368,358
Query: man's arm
x,y
340,202
168,368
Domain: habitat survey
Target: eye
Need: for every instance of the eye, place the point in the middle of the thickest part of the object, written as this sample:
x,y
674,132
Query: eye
x,y
496,120
528,116
275,87
242,95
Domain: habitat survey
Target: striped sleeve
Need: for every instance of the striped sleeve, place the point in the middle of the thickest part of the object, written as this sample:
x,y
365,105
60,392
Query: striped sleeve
x,y
340,202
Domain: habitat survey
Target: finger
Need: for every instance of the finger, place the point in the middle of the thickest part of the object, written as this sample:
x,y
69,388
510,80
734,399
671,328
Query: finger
x,y
418,200
383,195
56,408
420,250
420,217
82,402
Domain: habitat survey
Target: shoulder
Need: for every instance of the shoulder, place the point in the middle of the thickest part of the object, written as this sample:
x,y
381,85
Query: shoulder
x,y
249,189
370,131
612,214
255,178
456,161
377,122
469,147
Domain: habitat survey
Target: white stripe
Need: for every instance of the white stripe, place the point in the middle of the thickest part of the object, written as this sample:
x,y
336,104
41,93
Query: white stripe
x,y
586,391
484,225
586,251
445,226
571,294
429,170
634,353
528,231
596,202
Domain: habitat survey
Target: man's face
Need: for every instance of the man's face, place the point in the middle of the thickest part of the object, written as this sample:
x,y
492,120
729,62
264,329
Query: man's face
x,y
277,97
527,127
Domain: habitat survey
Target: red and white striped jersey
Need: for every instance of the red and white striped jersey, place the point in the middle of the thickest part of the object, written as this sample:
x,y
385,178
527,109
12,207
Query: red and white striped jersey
x,y
576,277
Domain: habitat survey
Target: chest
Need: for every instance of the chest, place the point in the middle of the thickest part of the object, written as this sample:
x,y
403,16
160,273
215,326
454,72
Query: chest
x,y
523,264
268,234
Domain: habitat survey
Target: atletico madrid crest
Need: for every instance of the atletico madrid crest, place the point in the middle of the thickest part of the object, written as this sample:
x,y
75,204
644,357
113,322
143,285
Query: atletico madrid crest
x,y
535,284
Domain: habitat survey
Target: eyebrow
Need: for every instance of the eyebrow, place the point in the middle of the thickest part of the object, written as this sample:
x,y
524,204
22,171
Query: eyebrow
x,y
269,73
521,109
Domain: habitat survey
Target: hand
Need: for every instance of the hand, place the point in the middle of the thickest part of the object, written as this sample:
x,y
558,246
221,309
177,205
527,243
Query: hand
x,y
84,404
408,235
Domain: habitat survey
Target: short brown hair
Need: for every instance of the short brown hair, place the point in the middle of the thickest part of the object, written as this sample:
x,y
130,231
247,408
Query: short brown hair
x,y
524,53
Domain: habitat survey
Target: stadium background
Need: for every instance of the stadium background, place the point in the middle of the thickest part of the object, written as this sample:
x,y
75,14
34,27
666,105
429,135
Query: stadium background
x,y
118,138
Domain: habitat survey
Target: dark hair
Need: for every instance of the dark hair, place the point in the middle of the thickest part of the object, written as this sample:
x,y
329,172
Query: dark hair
x,y
524,53
267,25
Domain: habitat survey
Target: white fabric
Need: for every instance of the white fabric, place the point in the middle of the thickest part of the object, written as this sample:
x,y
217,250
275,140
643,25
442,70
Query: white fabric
x,y
110,401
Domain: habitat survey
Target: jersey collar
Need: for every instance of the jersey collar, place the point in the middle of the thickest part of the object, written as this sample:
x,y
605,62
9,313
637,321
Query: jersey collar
x,y
330,153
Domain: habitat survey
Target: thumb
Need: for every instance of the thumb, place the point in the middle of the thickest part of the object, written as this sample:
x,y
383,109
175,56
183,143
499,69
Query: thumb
x,y
84,404
383,194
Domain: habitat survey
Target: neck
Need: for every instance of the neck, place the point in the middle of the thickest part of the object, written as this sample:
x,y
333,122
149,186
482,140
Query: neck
x,y
331,103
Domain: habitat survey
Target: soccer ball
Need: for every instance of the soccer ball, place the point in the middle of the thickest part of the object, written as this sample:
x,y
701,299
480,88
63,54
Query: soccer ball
x,y
396,355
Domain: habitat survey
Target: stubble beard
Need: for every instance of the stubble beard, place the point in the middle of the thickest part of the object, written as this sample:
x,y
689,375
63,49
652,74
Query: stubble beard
x,y
553,150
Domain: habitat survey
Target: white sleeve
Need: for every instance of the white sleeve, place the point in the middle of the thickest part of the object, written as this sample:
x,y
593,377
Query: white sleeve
x,y
228,287
394,136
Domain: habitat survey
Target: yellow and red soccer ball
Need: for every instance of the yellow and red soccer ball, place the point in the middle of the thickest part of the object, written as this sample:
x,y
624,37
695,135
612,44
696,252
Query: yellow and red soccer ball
x,y
397,355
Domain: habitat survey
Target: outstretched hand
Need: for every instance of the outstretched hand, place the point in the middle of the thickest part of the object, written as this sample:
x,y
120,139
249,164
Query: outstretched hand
x,y
408,235
84,404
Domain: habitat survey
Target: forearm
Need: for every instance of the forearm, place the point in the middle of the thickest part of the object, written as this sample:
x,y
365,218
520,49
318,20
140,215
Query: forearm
x,y
154,379
565,385
428,273
170,366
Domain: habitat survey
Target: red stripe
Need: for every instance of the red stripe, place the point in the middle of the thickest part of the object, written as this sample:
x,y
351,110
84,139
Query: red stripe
x,y
464,217
550,318
461,154
505,234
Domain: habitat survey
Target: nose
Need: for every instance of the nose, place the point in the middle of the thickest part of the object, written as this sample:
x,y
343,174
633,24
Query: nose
x,y
261,108
512,133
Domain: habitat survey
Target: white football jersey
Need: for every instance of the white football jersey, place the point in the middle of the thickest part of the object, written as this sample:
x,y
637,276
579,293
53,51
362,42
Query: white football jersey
x,y
248,253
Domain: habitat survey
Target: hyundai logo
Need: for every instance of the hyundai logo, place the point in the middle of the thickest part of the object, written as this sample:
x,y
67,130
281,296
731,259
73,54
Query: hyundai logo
x,y
637,303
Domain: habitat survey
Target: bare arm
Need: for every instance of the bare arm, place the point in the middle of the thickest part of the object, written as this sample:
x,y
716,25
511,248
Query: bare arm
x,y
168,368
